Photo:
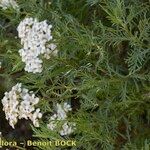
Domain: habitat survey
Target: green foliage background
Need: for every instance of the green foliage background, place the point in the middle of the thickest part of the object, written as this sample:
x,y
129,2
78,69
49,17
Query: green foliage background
x,y
102,68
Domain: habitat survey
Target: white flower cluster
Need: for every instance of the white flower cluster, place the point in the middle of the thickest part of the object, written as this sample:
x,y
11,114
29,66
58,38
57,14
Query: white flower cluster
x,y
20,103
8,3
35,37
61,116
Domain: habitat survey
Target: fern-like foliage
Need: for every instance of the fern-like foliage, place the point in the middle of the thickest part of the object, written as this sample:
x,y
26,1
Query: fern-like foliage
x,y
102,69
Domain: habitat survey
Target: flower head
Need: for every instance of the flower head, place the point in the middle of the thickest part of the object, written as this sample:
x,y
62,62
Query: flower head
x,y
61,117
35,37
8,3
20,103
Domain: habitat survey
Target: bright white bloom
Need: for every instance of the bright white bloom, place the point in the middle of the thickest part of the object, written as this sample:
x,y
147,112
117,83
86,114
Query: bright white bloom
x,y
35,37
67,128
61,117
8,3
0,65
20,103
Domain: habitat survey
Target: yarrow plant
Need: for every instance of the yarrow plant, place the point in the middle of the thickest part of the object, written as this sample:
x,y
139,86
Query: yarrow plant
x,y
35,37
101,68
9,3
61,117
20,103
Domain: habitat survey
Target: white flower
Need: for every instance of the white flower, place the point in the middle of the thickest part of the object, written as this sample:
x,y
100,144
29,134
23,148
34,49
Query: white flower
x,y
8,3
67,128
67,107
0,65
35,37
34,117
52,125
20,103
61,116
